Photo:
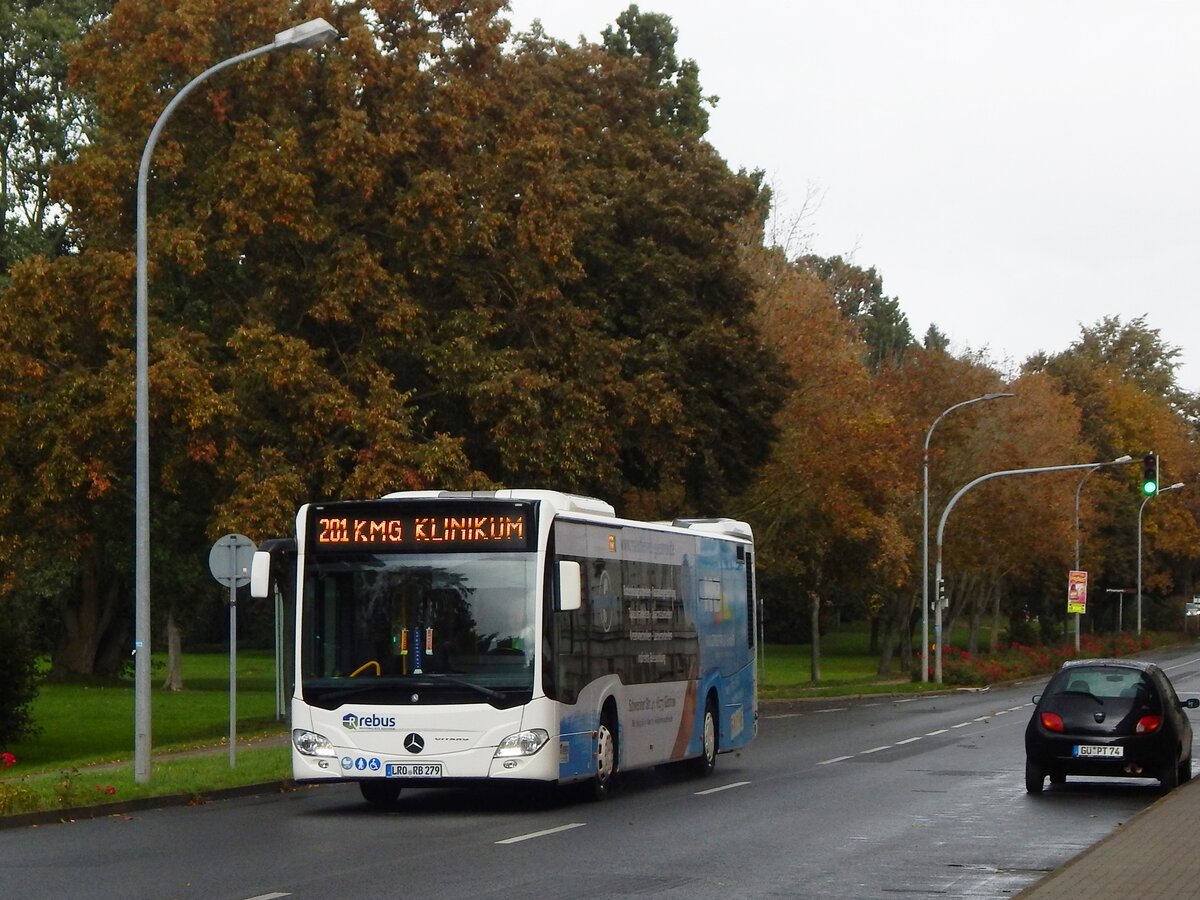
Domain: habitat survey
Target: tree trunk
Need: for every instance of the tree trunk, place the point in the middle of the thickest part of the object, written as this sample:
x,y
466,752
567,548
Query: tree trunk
x,y
814,599
885,652
174,680
86,620
892,616
910,618
995,640
976,619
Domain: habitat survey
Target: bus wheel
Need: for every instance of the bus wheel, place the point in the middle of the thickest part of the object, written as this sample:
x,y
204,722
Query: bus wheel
x,y
606,756
380,793
706,762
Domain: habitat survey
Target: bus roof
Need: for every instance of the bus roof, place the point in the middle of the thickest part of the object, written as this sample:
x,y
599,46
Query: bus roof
x,y
577,503
560,501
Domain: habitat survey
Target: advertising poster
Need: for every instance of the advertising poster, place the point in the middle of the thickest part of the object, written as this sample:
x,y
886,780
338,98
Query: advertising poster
x,y
1077,592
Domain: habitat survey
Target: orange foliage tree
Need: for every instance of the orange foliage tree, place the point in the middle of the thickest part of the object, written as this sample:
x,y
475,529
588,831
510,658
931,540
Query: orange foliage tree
x,y
426,257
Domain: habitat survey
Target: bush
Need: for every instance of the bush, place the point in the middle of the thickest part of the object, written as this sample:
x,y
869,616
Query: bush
x,y
15,796
1020,661
18,681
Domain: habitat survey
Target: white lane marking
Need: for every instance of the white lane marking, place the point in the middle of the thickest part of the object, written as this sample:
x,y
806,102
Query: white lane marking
x,y
833,709
784,716
538,834
723,787
1186,662
272,896
836,759
910,740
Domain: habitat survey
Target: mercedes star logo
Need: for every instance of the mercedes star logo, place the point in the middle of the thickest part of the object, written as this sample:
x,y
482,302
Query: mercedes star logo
x,y
414,743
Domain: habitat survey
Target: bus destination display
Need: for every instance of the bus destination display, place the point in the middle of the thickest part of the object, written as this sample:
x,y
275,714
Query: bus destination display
x,y
401,527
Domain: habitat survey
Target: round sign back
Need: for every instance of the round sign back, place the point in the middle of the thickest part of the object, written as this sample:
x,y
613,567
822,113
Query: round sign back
x,y
230,558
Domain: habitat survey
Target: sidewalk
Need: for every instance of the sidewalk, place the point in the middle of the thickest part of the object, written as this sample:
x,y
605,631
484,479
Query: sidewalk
x,y
1152,855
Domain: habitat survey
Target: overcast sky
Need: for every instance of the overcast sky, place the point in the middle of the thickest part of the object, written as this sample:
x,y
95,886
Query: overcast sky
x,y
1012,170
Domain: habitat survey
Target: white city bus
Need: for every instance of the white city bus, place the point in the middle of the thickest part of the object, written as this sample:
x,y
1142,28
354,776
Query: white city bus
x,y
447,638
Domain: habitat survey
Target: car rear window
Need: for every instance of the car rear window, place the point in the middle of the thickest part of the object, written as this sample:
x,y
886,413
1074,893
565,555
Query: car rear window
x,y
1104,682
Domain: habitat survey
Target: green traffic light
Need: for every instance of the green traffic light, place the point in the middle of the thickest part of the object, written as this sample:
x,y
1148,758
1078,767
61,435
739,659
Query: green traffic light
x,y
1150,474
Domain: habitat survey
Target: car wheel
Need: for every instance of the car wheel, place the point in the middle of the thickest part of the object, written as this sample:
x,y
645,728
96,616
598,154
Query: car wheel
x,y
1185,771
380,793
1035,777
706,762
606,756
1169,778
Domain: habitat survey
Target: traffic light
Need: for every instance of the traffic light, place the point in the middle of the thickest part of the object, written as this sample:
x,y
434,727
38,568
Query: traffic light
x,y
1150,474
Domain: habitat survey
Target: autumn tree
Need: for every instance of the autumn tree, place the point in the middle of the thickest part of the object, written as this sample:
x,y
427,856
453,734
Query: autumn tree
x,y
928,382
824,505
430,256
1122,377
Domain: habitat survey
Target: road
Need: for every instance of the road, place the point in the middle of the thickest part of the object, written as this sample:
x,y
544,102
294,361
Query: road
x,y
922,797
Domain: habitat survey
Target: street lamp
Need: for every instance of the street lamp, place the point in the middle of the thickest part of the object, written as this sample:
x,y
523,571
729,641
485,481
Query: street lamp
x,y
1116,462
946,514
309,35
925,528
1176,486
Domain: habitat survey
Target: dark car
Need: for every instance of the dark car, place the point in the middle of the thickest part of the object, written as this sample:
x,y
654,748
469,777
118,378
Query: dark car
x,y
1115,718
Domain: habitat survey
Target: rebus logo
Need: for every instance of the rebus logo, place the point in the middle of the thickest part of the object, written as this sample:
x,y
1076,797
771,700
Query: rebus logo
x,y
353,722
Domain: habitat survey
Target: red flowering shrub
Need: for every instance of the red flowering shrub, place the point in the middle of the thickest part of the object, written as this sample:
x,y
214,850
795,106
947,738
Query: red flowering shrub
x,y
1019,661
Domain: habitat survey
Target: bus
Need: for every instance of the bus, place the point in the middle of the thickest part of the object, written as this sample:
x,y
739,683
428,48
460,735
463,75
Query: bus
x,y
449,638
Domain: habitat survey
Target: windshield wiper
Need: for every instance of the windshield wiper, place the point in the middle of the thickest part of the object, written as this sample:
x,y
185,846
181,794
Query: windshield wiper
x,y
434,678
398,685
358,689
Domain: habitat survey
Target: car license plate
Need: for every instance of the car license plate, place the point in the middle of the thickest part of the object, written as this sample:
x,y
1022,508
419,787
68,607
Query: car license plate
x,y
413,770
1107,751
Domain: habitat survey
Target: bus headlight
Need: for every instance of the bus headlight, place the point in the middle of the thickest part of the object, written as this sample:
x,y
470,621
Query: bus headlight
x,y
312,744
524,743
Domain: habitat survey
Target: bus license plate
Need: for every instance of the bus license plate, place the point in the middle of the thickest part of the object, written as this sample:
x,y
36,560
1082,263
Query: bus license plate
x,y
1099,750
413,770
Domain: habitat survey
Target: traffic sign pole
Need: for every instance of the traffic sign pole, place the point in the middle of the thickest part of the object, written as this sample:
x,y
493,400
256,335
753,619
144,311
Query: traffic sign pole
x,y
229,562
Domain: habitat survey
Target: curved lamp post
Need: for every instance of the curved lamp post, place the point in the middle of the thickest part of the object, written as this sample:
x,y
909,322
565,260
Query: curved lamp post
x,y
925,528
1176,486
946,514
312,34
1078,490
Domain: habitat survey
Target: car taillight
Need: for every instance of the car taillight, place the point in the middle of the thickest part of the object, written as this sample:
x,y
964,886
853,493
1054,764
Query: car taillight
x,y
1147,724
1052,721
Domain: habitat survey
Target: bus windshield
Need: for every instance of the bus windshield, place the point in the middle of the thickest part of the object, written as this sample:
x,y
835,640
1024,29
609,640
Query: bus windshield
x,y
418,628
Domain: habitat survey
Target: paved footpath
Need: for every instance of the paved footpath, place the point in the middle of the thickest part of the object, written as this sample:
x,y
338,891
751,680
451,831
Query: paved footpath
x,y
1152,855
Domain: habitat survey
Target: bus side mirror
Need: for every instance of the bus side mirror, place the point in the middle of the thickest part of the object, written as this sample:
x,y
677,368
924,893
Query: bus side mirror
x,y
260,575
570,583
